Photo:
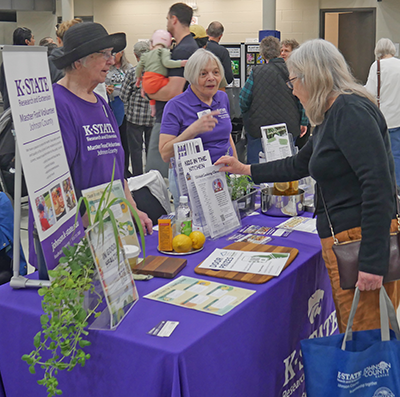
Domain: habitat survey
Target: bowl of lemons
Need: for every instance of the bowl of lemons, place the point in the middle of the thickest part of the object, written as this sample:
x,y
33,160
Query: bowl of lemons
x,y
183,244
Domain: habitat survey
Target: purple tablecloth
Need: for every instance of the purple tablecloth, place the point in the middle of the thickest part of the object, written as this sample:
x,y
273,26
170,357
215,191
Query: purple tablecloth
x,y
254,350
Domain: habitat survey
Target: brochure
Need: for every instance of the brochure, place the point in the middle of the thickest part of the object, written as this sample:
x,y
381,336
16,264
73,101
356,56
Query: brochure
x,y
115,275
215,200
192,163
277,143
202,295
120,210
265,263
300,224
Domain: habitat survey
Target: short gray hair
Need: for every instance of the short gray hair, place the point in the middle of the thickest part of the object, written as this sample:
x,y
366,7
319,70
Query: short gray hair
x,y
270,47
140,48
384,47
197,62
215,29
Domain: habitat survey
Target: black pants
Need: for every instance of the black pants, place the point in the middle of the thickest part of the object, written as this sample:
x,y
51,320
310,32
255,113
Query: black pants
x,y
5,267
134,134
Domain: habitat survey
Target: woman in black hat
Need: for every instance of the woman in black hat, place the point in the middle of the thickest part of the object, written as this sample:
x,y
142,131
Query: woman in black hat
x,y
88,126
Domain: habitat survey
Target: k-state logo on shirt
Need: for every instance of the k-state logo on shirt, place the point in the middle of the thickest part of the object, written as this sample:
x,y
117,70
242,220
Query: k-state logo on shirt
x,y
96,129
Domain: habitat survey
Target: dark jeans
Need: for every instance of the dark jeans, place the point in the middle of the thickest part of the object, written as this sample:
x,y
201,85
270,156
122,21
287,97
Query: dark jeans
x,y
134,134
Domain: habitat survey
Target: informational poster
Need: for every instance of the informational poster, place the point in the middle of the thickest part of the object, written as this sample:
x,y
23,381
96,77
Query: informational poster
x,y
215,199
182,149
192,163
122,214
265,263
115,274
202,295
50,187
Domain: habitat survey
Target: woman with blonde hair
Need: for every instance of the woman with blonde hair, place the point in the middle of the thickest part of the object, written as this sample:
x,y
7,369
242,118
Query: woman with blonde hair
x,y
350,158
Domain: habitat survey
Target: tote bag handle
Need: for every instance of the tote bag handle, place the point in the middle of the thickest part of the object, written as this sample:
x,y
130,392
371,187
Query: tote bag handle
x,y
387,313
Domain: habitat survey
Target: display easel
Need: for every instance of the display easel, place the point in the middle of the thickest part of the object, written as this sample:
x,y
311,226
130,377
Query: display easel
x,y
17,281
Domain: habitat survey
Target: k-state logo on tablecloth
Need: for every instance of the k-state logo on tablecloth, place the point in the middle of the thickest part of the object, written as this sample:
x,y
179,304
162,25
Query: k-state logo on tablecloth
x,y
314,304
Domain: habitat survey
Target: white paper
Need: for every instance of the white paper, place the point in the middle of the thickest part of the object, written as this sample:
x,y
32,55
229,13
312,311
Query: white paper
x,y
300,224
168,328
192,163
225,301
276,142
183,149
215,200
265,263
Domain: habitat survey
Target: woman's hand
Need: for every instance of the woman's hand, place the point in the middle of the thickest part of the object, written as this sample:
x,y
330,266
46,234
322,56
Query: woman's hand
x,y
233,166
205,123
368,281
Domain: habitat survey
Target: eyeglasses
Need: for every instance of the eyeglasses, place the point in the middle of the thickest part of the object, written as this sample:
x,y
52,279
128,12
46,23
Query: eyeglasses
x,y
289,82
106,54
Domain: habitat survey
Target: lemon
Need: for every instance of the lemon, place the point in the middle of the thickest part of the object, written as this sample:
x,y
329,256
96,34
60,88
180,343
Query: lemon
x,y
182,243
198,239
281,186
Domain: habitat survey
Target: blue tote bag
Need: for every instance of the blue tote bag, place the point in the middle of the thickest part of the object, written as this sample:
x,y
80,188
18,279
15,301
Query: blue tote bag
x,y
356,364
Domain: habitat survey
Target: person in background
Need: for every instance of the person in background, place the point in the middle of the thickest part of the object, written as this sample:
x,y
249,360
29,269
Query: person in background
x,y
350,158
202,111
265,99
385,52
287,46
21,36
115,77
46,41
178,21
6,241
199,34
155,64
87,57
215,31
138,114
55,73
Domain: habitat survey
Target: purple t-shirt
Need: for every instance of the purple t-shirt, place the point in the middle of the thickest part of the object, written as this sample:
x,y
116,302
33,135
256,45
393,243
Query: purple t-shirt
x,y
183,110
91,139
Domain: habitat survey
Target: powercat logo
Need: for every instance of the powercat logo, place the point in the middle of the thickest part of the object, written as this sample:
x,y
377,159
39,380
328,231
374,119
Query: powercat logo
x,y
383,392
314,304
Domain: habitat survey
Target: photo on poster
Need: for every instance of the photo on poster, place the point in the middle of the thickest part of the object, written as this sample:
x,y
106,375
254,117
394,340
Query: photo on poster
x,y
260,59
249,69
58,201
45,210
69,193
235,66
250,58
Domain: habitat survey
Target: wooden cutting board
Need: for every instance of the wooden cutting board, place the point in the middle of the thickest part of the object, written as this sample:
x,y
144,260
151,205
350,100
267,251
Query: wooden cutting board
x,y
248,277
160,266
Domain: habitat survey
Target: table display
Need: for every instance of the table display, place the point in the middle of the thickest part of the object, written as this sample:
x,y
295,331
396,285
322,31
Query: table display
x,y
253,350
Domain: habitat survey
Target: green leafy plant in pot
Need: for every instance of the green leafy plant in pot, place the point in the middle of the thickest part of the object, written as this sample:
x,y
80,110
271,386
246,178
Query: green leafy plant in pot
x,y
60,345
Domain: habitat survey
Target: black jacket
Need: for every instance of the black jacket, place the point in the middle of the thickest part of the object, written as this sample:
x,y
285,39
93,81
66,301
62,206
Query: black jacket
x,y
223,54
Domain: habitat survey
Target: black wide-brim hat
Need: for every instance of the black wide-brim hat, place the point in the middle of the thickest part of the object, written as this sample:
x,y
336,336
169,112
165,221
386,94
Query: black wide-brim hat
x,y
87,38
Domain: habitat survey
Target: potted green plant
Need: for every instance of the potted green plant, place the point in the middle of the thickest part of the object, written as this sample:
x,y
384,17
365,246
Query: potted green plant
x,y
60,345
242,191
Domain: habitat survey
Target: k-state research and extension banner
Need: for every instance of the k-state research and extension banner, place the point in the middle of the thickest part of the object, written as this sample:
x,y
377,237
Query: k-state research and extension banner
x,y
50,187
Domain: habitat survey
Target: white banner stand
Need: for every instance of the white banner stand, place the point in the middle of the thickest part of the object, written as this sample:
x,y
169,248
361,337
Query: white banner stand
x,y
39,149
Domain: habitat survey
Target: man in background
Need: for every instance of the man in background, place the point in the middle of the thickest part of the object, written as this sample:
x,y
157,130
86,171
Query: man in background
x,y
21,36
138,113
178,22
287,46
215,31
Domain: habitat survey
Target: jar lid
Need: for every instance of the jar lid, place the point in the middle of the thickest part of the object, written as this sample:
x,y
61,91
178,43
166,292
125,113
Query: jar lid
x,y
131,251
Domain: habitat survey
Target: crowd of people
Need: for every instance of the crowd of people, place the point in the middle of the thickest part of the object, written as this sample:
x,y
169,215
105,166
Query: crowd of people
x,y
183,72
